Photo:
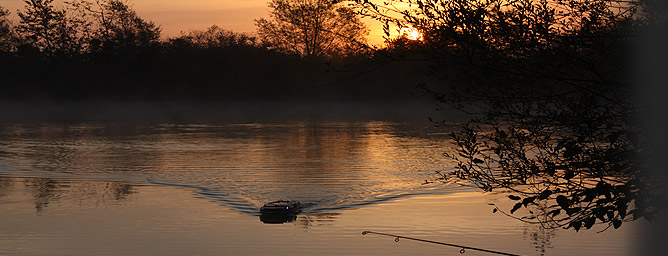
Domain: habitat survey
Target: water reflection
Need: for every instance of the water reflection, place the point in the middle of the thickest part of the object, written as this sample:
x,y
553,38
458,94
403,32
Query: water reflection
x,y
539,237
328,165
277,218
5,183
317,219
46,191
167,221
303,221
138,181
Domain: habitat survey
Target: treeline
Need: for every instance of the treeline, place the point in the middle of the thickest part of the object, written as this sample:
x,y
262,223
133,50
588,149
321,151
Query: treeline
x,y
102,50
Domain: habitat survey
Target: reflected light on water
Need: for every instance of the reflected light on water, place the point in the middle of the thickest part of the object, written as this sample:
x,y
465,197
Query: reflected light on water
x,y
196,189
325,165
89,218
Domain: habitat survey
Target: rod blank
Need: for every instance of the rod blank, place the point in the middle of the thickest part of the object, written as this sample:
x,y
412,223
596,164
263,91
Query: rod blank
x,y
463,250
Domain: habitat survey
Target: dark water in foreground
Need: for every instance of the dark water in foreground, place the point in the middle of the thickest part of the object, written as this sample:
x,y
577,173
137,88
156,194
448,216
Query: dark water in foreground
x,y
194,189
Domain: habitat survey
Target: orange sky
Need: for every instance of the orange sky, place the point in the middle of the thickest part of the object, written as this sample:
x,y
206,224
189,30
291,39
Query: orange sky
x,y
175,16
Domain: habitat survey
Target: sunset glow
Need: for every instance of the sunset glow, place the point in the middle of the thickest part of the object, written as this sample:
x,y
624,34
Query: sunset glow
x,y
331,127
411,33
175,17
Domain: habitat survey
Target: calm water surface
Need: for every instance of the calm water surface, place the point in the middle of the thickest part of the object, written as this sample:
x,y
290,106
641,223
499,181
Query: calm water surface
x,y
194,189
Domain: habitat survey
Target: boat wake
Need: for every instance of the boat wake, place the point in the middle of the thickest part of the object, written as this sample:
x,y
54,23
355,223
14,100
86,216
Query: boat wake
x,y
244,203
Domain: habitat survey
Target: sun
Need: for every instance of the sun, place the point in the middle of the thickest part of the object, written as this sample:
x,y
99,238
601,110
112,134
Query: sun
x,y
411,33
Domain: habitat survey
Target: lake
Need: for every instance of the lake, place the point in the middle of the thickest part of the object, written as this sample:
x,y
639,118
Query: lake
x,y
194,188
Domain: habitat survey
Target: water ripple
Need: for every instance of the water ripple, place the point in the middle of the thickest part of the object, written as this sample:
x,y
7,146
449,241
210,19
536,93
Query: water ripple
x,y
328,166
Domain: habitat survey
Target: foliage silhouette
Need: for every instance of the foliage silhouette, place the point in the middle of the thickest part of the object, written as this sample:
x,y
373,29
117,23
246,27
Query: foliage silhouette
x,y
116,55
120,29
548,81
47,28
215,37
7,34
312,28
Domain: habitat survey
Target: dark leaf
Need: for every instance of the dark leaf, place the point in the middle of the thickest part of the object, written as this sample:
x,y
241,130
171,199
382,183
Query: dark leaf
x,y
478,161
600,214
513,197
622,210
494,211
589,222
572,211
601,185
554,213
545,194
617,223
589,197
563,202
576,225
517,206
528,200
611,215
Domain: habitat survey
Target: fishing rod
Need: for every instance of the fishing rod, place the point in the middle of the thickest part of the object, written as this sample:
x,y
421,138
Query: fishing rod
x,y
462,251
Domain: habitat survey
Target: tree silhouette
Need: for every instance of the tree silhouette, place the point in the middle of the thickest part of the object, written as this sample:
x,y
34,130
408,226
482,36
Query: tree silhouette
x,y
118,29
7,34
312,28
216,37
47,28
548,81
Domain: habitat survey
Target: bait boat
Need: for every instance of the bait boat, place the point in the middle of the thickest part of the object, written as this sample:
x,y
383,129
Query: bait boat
x,y
280,207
